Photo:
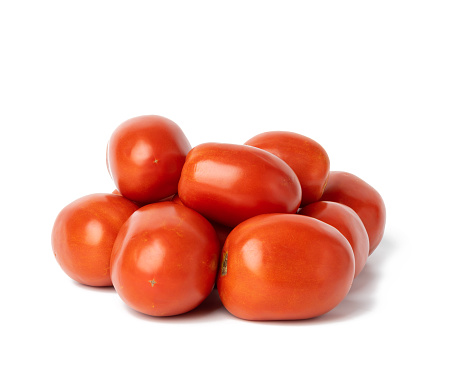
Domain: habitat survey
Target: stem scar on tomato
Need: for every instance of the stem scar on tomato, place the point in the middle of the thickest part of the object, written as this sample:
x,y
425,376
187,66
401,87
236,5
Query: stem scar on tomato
x,y
224,264
152,282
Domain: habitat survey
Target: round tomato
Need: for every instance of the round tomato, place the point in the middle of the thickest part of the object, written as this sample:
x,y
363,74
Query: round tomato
x,y
145,156
230,183
164,260
305,156
348,189
284,267
347,222
83,235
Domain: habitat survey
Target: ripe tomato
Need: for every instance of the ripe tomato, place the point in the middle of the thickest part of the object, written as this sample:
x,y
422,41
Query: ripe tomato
x,y
83,235
145,156
164,260
230,183
305,156
347,222
348,189
284,267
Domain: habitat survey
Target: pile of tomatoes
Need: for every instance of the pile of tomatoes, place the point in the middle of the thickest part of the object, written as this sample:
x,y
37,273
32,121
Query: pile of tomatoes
x,y
281,235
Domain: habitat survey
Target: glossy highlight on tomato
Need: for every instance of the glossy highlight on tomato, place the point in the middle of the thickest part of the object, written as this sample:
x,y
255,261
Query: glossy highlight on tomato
x,y
347,222
84,233
305,156
164,260
284,267
230,183
349,189
145,156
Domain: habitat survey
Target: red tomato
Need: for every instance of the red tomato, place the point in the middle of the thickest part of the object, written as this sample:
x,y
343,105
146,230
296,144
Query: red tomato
x,y
347,222
284,267
352,191
165,259
221,230
306,157
84,233
145,156
231,183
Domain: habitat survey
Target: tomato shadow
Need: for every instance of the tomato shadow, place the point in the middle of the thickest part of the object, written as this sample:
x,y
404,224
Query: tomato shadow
x,y
209,310
98,289
362,296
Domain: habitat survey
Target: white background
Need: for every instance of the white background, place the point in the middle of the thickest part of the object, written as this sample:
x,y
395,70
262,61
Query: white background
x,y
370,81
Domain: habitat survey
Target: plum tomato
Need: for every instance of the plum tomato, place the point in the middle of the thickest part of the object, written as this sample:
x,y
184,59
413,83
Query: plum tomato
x,y
284,267
347,222
145,156
84,233
229,183
164,261
348,189
305,156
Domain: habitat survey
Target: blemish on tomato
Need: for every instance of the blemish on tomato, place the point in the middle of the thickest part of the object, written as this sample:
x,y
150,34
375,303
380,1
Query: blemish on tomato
x,y
223,271
152,282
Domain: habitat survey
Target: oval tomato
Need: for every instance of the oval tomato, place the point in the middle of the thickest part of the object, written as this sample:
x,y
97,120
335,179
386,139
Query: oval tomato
x,y
165,258
305,156
347,222
145,156
230,183
284,267
348,189
83,235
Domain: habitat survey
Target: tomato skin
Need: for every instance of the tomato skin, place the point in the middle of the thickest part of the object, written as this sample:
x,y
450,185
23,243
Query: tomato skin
x,y
230,183
145,156
348,189
165,258
347,222
83,235
305,156
284,267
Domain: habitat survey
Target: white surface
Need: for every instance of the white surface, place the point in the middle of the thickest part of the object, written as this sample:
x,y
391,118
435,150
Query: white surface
x,y
370,81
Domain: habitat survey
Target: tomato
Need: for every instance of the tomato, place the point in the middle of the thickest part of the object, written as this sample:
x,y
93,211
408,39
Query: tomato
x,y
230,183
347,222
284,267
83,235
348,189
165,258
305,156
145,156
